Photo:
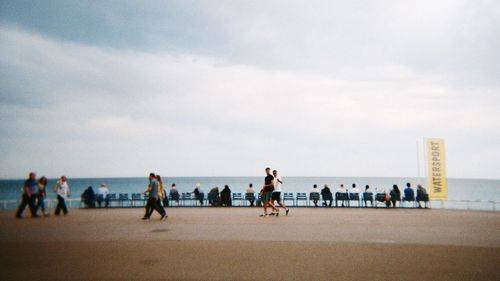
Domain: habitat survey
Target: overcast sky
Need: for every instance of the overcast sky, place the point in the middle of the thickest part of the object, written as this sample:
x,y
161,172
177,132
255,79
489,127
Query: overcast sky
x,y
226,88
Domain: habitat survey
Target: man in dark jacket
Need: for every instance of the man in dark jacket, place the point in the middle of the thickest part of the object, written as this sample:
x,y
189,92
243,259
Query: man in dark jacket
x,y
326,193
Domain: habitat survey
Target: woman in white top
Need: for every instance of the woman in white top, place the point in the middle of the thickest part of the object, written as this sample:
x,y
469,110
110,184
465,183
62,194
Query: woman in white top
x,y
62,190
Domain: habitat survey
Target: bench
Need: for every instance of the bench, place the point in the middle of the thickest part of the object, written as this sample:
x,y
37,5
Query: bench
x,y
341,196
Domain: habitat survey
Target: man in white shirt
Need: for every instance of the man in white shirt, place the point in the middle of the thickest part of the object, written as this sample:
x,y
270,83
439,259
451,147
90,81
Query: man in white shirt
x,y
251,190
62,190
102,194
277,192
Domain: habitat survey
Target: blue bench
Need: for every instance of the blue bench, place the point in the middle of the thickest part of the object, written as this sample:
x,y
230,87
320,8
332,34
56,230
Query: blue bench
x,y
368,196
136,197
288,197
237,197
186,198
380,198
314,196
301,196
341,196
327,197
250,198
122,199
354,197
240,199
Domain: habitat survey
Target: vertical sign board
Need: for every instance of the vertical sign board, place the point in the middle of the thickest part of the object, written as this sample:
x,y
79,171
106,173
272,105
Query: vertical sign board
x,y
436,169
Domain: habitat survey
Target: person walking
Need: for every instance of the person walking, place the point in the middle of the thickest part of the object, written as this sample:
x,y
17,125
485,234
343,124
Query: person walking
x,y
277,193
28,196
164,197
152,204
62,190
41,195
161,194
266,193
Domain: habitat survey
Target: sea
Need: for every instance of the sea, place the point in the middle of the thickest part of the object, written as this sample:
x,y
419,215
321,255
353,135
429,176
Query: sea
x,y
473,194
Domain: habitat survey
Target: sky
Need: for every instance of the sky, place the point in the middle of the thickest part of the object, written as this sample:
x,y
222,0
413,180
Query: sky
x,y
227,88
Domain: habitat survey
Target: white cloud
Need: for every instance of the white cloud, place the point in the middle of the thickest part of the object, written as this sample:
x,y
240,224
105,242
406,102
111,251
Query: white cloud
x,y
87,111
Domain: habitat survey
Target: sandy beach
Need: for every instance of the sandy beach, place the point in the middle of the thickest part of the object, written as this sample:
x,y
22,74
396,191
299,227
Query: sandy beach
x,y
235,244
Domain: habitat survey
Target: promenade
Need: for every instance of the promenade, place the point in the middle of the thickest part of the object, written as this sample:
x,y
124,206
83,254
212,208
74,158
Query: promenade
x,y
236,244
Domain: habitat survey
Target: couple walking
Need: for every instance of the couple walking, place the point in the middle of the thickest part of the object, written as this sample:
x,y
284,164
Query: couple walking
x,y
155,193
272,192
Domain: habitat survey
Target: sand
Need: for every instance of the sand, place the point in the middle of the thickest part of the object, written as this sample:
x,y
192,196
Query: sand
x,y
235,244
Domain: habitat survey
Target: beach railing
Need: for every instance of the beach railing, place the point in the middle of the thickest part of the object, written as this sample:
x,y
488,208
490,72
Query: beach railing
x,y
187,200
50,203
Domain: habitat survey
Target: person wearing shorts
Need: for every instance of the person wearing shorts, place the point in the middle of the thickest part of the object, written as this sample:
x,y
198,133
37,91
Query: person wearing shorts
x,y
277,193
267,192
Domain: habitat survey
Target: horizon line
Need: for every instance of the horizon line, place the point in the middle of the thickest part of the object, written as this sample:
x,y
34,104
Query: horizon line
x,y
125,177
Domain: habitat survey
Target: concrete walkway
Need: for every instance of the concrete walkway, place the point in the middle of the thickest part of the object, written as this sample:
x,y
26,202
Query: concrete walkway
x,y
236,244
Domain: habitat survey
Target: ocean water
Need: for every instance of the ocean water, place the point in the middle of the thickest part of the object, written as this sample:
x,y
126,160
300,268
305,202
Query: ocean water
x,y
458,189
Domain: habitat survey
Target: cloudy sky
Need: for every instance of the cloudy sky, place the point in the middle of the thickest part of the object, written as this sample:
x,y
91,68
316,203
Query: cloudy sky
x,y
225,88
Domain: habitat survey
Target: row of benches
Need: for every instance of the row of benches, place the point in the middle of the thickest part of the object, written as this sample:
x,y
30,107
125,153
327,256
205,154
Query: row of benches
x,y
243,199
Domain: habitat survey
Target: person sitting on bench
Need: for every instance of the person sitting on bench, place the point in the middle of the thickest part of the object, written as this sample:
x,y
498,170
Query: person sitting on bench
x,y
341,195
315,189
326,193
251,190
395,195
174,193
225,196
422,196
88,197
102,195
368,195
409,193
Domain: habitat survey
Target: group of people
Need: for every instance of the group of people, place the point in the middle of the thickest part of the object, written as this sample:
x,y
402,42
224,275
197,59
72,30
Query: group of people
x,y
270,195
34,193
394,196
222,198
389,198
90,198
